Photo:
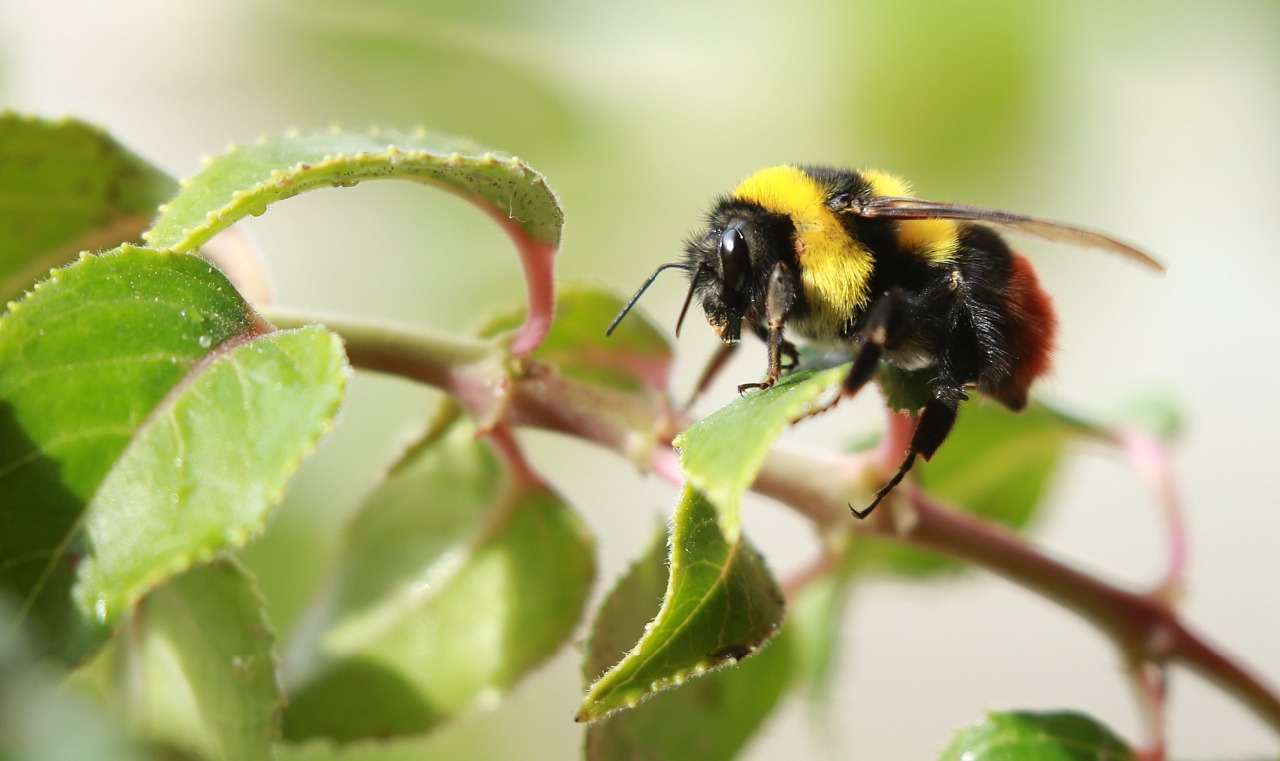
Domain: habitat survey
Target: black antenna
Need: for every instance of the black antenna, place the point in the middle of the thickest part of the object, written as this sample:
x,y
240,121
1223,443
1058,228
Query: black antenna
x,y
693,283
639,293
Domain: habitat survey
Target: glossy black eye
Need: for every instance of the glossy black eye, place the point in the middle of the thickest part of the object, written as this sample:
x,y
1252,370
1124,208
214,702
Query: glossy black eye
x,y
733,259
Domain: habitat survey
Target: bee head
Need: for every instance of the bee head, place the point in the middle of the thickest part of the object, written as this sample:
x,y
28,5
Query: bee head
x,y
721,277
727,266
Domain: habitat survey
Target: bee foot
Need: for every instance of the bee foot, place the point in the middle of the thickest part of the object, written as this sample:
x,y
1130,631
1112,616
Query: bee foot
x,y
766,383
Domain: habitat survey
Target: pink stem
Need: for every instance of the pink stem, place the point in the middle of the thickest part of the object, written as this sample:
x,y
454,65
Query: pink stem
x,y
1150,457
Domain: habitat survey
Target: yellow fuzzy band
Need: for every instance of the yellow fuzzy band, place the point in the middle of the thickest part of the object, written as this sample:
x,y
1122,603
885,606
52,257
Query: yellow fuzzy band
x,y
835,269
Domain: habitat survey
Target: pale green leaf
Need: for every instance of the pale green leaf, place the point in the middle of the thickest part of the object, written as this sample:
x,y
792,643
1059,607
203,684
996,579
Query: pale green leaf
x,y
722,453
193,668
458,576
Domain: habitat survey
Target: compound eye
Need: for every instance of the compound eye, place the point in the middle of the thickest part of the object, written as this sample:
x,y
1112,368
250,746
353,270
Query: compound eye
x,y
733,258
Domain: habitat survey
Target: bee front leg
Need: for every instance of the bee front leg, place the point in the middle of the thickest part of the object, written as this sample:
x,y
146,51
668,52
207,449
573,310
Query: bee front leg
x,y
780,296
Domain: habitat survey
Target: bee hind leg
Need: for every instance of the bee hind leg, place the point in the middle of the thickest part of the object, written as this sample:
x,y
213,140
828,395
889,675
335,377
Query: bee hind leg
x,y
932,427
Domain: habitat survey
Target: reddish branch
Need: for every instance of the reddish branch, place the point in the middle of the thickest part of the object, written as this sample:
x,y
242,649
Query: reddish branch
x,y
1145,627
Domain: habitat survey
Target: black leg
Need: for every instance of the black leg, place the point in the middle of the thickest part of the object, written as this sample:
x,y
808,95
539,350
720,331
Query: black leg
x,y
932,427
780,296
887,325
883,491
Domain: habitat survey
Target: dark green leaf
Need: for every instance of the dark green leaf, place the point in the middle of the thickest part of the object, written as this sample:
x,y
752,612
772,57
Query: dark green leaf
x,y
459,575
193,668
722,453
67,187
1020,736
721,604
147,421
705,719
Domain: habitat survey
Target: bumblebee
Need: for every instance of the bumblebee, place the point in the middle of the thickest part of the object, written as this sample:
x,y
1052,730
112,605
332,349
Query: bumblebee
x,y
835,256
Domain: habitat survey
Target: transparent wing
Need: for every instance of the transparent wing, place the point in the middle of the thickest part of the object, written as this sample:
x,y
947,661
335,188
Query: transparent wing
x,y
893,207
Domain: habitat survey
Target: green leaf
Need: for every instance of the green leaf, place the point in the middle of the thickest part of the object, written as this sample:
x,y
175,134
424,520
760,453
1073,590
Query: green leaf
x,y
637,357
148,420
706,719
996,463
1038,736
193,668
67,187
458,576
815,621
247,179
722,453
721,605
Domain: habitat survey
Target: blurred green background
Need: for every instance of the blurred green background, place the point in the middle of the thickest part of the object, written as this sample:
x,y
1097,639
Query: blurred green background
x,y
1153,120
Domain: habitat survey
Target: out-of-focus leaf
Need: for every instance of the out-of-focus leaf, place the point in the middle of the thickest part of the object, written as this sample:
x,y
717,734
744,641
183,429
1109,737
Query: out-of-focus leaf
x,y
722,453
705,719
67,187
247,179
40,719
637,356
1156,414
193,668
814,623
996,463
458,576
721,604
1039,736
148,420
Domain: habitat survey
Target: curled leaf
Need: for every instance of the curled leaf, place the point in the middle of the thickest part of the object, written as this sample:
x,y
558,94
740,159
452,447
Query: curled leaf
x,y
247,179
